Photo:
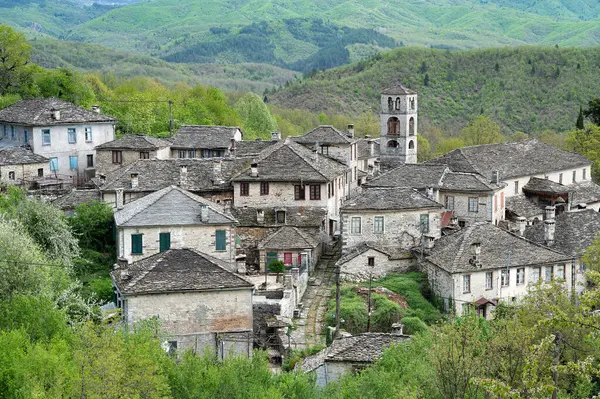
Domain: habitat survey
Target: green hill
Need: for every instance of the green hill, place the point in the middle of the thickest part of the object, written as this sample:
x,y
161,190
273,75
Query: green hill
x,y
526,89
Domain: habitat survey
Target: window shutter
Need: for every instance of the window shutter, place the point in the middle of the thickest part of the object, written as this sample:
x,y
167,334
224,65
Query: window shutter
x,y
136,243
221,244
165,241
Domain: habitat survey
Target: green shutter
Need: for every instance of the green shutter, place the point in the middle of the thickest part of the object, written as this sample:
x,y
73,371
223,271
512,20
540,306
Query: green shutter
x,y
221,244
136,244
165,241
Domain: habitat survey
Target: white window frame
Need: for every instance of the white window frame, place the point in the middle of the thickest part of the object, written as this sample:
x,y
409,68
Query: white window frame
x,y
466,283
356,225
72,133
489,280
537,271
46,133
88,134
505,278
548,276
560,272
378,228
520,276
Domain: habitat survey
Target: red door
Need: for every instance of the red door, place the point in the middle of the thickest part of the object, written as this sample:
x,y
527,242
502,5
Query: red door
x,y
287,258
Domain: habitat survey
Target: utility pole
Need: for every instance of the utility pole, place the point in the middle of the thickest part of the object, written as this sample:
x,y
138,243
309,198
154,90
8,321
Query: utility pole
x,y
171,118
337,302
369,304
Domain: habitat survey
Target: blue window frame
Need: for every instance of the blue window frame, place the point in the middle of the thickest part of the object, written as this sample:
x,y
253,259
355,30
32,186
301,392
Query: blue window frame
x,y
26,136
12,132
45,136
72,133
73,162
53,164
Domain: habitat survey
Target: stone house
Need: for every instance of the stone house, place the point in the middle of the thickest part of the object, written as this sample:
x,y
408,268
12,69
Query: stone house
x,y
201,304
199,141
368,158
60,131
367,260
288,174
390,216
173,218
129,148
466,196
19,166
515,163
69,201
350,354
291,245
482,264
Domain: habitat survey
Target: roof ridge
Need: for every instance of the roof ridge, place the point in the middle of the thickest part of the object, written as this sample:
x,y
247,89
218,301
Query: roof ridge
x,y
303,157
212,260
149,201
202,201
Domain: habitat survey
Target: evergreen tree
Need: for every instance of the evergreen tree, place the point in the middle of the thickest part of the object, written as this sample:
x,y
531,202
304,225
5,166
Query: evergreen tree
x,y
579,123
426,80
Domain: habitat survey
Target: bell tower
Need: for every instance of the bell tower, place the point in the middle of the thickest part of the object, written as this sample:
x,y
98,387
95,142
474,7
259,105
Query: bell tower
x,y
398,127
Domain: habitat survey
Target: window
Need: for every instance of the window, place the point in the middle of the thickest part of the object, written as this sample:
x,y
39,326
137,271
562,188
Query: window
x,y
411,145
520,275
191,153
88,134
466,309
299,192
220,241
73,162
574,176
505,277
12,132
466,284
583,173
41,172
411,125
449,202
136,244
560,178
53,164
144,155
5,131
72,135
424,222
172,348
244,189
315,191
181,154
355,227
164,240
536,275
280,216
560,272
548,273
25,136
371,261
473,204
393,126
378,224
516,187
325,149
287,258
90,160
45,136
489,280
11,175
117,157
264,188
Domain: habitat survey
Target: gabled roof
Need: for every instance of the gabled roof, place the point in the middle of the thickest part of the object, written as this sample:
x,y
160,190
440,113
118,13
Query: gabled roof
x,y
288,161
288,237
170,206
389,199
586,192
176,270
520,205
574,232
202,136
19,155
39,112
517,159
392,252
535,184
324,134
416,175
363,147
399,89
134,142
467,182
247,148
156,174
453,252
77,197
305,217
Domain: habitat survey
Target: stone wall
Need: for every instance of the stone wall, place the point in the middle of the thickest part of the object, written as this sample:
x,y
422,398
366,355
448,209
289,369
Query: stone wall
x,y
24,175
105,165
357,269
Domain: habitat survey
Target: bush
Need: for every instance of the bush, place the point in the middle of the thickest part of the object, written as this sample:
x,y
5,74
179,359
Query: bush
x,y
413,325
102,288
276,266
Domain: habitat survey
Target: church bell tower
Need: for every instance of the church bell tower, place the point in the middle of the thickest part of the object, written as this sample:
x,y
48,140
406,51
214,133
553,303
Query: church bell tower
x,y
398,127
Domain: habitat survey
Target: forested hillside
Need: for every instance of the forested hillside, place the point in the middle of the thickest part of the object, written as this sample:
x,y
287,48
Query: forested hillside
x,y
526,89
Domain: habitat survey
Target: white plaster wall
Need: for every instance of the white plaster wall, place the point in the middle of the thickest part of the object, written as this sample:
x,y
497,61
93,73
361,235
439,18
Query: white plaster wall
x,y
551,175
200,238
486,210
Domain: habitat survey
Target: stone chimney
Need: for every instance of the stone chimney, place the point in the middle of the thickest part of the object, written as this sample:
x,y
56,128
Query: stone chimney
x,y
397,329
119,200
429,192
495,177
134,180
96,109
521,223
125,276
549,212
276,136
183,176
254,169
260,216
351,131
476,250
56,114
217,170
376,168
204,213
429,242
549,229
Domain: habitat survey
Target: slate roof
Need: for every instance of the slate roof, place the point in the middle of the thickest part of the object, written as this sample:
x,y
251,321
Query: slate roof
x,y
520,205
535,184
170,206
156,174
246,148
288,237
77,197
177,270
417,176
324,134
389,198
452,252
522,158
574,231
364,150
288,161
391,251
586,192
134,142
294,216
201,136
466,182
363,348
39,112
398,88
19,155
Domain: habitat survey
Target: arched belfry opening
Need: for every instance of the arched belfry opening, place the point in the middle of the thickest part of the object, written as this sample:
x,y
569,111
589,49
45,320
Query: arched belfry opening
x,y
393,126
393,144
397,103
411,145
390,104
411,126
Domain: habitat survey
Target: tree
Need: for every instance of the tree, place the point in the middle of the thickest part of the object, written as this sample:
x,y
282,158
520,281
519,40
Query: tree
x,y
423,149
579,124
481,130
15,53
256,117
426,80
92,224
593,111
587,143
449,144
